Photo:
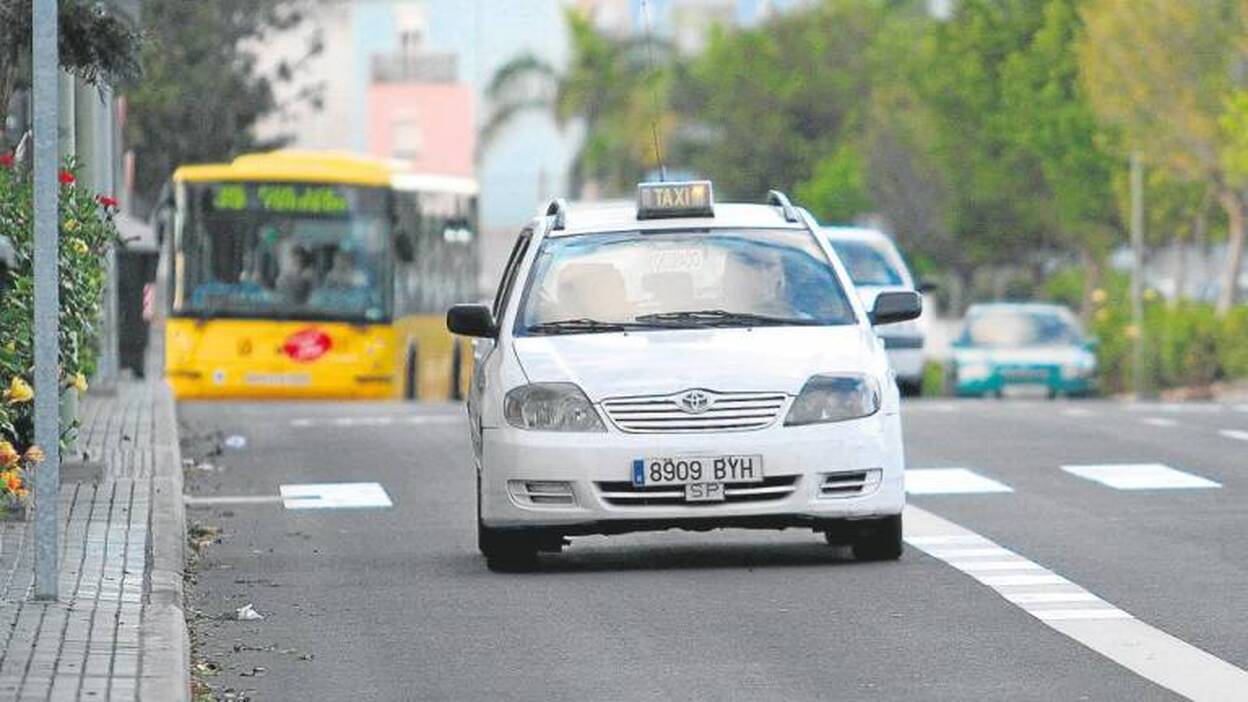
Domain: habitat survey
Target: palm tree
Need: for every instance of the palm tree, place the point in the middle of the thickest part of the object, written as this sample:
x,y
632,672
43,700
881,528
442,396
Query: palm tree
x,y
612,85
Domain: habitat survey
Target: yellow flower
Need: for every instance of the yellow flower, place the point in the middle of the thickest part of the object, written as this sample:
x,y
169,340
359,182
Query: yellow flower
x,y
11,347
1132,331
18,392
8,454
80,247
1150,295
71,225
80,382
1099,296
34,454
12,481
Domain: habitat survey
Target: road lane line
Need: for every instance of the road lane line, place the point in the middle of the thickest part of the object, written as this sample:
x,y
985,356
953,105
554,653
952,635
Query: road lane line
x,y
1108,630
1140,476
1159,422
1234,434
378,421
950,481
335,496
1017,564
1078,412
950,553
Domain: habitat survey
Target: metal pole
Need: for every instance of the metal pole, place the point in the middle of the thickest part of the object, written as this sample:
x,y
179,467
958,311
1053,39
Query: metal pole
x,y
105,154
1137,273
47,415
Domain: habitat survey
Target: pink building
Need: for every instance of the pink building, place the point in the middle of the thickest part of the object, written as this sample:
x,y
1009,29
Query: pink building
x,y
428,124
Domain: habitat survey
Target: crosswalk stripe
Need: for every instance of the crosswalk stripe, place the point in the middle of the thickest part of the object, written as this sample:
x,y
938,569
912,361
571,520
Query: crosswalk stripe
x,y
1140,476
1234,434
1083,617
950,481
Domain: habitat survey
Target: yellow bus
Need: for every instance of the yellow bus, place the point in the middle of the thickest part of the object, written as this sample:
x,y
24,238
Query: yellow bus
x,y
299,274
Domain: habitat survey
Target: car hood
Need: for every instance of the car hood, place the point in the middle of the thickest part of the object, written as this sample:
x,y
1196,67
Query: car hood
x,y
765,359
1033,356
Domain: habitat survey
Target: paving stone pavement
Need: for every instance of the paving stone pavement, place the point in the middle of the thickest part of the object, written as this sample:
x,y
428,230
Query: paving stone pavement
x,y
117,631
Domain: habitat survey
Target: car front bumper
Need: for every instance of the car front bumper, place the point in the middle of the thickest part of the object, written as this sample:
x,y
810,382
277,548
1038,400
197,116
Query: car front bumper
x,y
597,468
1049,377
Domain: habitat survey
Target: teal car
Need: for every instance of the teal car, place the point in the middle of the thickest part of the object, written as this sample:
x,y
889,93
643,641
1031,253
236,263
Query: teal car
x,y
1011,345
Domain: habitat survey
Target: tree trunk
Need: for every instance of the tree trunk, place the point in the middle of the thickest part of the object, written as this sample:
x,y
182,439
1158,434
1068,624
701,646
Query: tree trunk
x,y
1091,281
1233,203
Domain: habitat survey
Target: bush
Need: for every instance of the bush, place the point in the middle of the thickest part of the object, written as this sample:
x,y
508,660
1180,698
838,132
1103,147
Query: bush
x,y
87,232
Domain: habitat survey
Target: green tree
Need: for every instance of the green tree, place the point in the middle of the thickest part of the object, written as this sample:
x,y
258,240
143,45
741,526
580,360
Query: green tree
x,y
202,89
1046,117
615,86
1165,72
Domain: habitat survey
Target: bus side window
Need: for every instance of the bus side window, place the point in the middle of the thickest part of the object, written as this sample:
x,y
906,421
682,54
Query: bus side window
x,y
509,274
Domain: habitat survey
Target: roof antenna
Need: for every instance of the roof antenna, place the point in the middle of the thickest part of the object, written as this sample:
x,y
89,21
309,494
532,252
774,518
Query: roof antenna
x,y
654,119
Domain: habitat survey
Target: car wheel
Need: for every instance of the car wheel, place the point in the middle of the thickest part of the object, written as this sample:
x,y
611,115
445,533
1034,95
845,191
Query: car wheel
x,y
910,388
880,541
506,551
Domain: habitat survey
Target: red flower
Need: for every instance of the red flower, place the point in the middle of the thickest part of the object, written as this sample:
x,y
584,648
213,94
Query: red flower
x,y
67,178
107,202
6,160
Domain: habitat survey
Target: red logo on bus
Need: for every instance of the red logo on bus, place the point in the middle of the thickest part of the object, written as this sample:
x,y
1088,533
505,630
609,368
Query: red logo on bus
x,y
307,345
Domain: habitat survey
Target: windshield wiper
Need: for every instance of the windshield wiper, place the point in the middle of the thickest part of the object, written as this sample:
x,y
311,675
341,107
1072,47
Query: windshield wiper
x,y
584,325
724,318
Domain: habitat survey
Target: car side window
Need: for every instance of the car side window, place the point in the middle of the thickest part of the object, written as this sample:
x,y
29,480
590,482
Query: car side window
x,y
509,273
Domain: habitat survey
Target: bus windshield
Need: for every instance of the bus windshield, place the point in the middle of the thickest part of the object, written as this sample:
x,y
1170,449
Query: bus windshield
x,y
283,251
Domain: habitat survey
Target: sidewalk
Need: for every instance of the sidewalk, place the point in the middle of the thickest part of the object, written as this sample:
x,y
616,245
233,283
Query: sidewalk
x,y
118,632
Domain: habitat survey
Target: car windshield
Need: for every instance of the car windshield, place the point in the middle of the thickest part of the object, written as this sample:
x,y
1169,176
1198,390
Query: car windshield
x,y
284,252
1020,328
681,279
867,264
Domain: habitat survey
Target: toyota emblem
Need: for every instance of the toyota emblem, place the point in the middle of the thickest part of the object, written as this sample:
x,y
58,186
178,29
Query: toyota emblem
x,y
694,402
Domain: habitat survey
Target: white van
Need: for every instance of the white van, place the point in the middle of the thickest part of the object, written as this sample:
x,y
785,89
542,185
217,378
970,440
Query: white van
x,y
876,266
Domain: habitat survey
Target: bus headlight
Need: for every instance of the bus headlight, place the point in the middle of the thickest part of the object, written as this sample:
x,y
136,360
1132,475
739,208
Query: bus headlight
x,y
834,398
551,407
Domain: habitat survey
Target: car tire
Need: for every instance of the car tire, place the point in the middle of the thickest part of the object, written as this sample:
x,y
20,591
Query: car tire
x,y
910,388
506,551
879,541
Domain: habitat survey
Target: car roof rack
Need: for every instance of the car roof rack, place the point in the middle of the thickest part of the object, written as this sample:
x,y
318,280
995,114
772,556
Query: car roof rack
x,y
558,208
775,198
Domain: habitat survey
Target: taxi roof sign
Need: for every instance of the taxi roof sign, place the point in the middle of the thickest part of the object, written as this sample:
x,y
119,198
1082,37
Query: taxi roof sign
x,y
693,198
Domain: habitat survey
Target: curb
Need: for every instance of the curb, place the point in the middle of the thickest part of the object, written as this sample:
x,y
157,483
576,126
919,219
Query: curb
x,y
166,674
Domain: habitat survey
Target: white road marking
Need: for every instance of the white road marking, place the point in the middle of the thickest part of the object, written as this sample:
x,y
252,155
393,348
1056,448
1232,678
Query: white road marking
x,y
1140,476
1050,597
1177,407
379,421
950,481
1112,632
1234,434
193,501
335,496
1078,412
1018,564
948,553
1159,422
1241,408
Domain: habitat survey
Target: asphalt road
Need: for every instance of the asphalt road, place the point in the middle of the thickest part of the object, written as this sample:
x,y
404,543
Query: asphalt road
x,y
394,603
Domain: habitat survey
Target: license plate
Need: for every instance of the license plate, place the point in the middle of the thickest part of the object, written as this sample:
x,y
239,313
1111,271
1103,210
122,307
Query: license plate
x,y
278,379
693,470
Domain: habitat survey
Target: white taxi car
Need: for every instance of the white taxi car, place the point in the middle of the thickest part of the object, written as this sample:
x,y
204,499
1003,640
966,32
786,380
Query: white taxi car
x,y
681,364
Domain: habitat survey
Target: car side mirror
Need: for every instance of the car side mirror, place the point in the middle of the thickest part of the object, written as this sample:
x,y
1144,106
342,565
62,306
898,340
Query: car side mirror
x,y
927,286
403,247
892,307
471,320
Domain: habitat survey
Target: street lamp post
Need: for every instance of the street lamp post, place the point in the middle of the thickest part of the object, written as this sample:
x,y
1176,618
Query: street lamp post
x,y
45,63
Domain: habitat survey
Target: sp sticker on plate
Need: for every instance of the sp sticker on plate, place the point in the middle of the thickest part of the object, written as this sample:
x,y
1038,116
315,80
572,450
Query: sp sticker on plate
x,y
307,345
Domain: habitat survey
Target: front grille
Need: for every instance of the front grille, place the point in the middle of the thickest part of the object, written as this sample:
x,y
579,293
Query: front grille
x,y
902,342
726,411
625,494
850,483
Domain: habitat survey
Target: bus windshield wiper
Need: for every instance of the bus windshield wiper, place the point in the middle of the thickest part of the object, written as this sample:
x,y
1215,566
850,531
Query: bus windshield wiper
x,y
724,318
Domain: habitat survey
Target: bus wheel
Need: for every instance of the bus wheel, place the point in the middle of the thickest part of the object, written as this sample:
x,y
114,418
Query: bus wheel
x,y
457,366
410,389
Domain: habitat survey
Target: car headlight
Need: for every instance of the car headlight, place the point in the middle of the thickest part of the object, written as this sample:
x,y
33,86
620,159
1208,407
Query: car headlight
x,y
550,407
834,398
1082,367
